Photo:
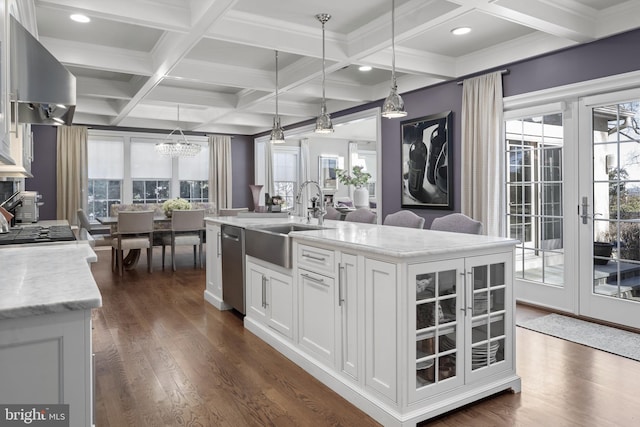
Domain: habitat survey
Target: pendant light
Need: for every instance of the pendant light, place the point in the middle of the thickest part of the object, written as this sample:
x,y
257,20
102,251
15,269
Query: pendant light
x,y
182,148
393,106
277,134
323,122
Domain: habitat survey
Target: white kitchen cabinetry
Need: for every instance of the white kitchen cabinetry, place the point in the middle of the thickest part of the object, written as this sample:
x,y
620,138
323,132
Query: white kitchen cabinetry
x,y
318,302
213,291
47,359
269,295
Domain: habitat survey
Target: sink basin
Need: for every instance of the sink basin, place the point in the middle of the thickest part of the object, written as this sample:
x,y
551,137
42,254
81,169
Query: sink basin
x,y
272,243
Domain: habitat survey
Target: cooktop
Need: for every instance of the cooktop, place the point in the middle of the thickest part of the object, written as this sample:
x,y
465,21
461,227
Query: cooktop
x,y
37,234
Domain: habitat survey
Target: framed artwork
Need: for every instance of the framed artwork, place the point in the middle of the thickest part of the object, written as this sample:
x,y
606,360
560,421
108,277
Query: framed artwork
x,y
426,175
327,178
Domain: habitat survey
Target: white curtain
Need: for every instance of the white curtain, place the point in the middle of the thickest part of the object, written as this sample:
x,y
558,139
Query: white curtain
x,y
71,175
482,153
305,175
220,176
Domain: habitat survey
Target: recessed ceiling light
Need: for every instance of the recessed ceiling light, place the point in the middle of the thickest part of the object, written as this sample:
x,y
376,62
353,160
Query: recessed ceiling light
x,y
461,30
365,68
80,18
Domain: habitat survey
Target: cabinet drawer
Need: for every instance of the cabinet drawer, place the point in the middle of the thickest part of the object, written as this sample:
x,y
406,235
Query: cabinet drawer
x,y
316,259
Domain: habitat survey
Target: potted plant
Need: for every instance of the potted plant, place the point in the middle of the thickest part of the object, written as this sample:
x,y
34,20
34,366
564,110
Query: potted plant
x,y
359,179
175,204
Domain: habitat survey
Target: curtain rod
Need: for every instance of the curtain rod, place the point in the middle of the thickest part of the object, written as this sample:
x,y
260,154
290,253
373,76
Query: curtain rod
x,y
503,72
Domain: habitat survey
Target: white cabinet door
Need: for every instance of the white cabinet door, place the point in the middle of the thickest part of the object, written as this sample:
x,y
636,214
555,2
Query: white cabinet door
x,y
280,303
437,324
381,327
256,291
317,313
489,308
349,295
213,293
269,297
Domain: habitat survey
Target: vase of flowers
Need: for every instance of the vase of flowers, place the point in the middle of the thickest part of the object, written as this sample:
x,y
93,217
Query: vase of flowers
x,y
175,204
359,179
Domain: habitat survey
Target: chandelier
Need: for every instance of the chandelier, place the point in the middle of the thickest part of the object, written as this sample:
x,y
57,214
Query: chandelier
x,y
182,148
393,106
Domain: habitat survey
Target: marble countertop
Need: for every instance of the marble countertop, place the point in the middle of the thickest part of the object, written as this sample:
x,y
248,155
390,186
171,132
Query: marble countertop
x,y
398,242
47,278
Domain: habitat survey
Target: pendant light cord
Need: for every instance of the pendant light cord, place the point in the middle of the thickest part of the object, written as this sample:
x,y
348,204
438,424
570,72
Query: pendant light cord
x,y
324,106
393,43
277,117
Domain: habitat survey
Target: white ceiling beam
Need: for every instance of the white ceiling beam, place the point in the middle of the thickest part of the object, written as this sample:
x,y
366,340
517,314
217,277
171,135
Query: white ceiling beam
x,y
618,19
183,96
103,88
92,56
160,15
222,75
173,48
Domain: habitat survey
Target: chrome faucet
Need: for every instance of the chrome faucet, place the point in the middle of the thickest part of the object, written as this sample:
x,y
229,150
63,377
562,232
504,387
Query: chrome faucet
x,y
318,209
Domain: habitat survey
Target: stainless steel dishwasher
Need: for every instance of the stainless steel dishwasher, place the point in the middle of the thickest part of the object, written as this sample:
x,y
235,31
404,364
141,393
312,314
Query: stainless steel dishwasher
x,y
233,266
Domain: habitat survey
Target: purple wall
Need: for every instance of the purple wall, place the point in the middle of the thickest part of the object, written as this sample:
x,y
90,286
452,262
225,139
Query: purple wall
x,y
242,158
603,58
44,169
614,55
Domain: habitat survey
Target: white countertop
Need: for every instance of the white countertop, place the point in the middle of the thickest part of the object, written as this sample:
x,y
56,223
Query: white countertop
x,y
47,278
399,242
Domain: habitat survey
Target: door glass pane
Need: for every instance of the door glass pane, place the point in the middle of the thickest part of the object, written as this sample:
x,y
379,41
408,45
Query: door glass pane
x,y
535,196
616,200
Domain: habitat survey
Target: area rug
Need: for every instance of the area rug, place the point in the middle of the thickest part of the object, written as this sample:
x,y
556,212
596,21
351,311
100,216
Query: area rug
x,y
611,340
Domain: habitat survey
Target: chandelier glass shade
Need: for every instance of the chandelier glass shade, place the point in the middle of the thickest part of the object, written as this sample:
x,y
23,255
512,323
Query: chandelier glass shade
x,y
277,134
393,106
181,148
323,122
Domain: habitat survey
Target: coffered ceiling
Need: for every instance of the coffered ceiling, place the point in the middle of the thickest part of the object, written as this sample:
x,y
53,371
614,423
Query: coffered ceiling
x,y
137,60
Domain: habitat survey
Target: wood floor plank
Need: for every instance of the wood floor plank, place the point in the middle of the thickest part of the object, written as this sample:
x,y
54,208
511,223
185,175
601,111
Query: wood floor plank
x,y
165,357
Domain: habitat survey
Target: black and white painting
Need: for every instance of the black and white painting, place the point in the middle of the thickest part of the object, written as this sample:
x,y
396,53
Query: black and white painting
x,y
426,174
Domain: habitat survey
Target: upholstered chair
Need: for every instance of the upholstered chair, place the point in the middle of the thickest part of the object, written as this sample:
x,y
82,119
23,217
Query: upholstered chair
x,y
457,223
99,234
232,211
187,229
361,215
134,232
332,213
404,219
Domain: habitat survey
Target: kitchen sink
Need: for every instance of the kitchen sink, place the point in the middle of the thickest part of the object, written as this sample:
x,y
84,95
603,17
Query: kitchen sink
x,y
272,243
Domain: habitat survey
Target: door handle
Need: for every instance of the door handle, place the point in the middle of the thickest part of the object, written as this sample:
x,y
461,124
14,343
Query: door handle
x,y
264,291
218,244
314,279
585,211
340,273
314,257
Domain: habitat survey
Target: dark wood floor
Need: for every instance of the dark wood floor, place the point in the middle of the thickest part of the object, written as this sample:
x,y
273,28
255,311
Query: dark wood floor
x,y
164,357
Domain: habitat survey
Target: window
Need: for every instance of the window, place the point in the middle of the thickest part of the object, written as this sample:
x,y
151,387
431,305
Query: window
x,y
125,168
285,174
194,176
105,173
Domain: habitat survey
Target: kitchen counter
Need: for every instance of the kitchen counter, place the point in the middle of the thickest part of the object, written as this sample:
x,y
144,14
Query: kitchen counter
x,y
47,278
398,242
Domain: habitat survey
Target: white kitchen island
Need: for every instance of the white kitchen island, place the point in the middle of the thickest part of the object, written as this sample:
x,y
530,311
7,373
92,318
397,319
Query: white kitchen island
x,y
405,324
47,293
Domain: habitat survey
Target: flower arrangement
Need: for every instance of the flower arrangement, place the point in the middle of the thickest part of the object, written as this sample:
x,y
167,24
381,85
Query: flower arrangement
x,y
175,204
359,178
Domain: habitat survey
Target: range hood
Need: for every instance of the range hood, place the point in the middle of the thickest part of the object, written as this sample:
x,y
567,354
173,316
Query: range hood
x,y
42,90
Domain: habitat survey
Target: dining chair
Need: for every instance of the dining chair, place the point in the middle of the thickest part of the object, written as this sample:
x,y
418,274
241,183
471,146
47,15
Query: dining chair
x,y
187,229
332,213
457,223
363,215
134,232
404,219
99,234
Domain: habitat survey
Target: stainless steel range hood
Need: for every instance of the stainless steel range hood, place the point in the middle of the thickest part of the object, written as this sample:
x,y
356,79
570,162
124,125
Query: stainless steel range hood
x,y
42,90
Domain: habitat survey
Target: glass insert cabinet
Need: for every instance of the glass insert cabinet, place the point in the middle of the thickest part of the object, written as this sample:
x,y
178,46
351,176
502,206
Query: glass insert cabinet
x,y
460,322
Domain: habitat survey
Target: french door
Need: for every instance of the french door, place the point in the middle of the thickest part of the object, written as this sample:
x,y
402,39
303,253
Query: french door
x,y
540,180
609,207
